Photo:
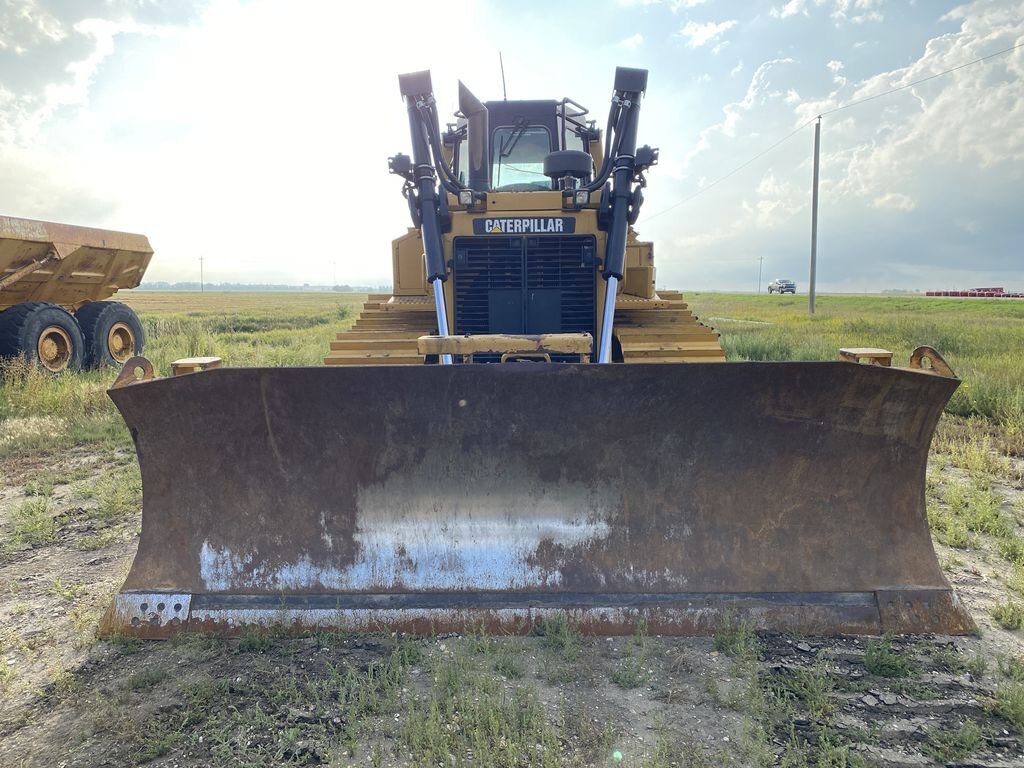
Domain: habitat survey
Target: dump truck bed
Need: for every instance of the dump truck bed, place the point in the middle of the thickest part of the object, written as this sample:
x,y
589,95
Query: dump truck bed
x,y
67,265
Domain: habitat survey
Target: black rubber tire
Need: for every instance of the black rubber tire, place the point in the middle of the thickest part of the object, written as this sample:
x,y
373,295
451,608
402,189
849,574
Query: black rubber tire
x,y
97,319
22,325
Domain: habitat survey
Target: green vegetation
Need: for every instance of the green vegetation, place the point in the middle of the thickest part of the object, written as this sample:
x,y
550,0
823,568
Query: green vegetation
x,y
1009,615
33,522
39,412
947,746
1010,703
483,700
881,659
979,339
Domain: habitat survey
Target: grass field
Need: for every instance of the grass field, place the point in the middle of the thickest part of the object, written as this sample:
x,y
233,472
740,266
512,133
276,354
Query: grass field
x,y
70,497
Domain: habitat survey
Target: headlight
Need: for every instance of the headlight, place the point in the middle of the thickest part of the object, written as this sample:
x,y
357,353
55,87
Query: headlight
x,y
466,197
582,197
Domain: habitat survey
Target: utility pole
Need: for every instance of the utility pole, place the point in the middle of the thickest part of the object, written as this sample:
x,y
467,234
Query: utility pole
x,y
201,281
814,218
760,266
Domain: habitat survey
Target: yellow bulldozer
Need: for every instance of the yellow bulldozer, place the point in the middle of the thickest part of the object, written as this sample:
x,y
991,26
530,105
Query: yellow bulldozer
x,y
484,448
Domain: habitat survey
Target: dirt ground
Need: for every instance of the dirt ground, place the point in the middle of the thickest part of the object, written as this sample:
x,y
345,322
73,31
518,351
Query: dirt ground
x,y
556,699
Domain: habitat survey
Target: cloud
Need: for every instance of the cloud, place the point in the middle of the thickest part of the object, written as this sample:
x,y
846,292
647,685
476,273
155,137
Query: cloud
x,y
792,8
855,11
895,200
632,42
918,186
737,69
698,34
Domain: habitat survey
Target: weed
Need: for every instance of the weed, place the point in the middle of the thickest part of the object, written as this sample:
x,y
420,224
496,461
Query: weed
x,y
880,659
1011,667
6,677
1008,615
198,646
92,542
33,522
814,687
737,639
509,662
66,591
41,486
127,643
559,635
630,672
947,746
254,641
1009,703
117,494
145,679
977,666
481,724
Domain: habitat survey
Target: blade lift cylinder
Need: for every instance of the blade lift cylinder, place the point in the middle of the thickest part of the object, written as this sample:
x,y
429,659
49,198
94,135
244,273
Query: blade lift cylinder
x,y
417,91
630,84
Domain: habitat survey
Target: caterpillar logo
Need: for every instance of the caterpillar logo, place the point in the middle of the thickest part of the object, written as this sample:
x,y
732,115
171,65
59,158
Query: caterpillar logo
x,y
525,225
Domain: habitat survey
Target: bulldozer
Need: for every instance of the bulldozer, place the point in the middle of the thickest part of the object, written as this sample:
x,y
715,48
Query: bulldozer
x,y
526,427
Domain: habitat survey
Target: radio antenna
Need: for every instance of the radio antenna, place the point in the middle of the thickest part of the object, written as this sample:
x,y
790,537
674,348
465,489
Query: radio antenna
x,y
501,61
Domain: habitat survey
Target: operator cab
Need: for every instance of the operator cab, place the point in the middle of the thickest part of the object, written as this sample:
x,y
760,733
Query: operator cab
x,y
521,136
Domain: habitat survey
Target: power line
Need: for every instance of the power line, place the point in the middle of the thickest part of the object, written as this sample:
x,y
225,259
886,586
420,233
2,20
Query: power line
x,y
922,80
735,170
765,151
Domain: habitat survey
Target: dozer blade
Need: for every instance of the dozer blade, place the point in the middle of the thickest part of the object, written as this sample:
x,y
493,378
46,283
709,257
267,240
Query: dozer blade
x,y
432,498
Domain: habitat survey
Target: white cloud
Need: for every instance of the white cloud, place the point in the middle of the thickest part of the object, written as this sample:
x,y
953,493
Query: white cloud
x,y
894,200
737,69
680,4
633,41
856,11
792,8
834,65
698,34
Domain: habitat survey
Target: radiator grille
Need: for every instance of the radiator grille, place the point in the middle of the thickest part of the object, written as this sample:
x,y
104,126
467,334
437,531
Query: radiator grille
x,y
522,284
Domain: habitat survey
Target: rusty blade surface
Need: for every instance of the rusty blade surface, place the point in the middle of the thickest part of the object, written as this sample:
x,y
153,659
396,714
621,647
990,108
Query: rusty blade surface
x,y
415,497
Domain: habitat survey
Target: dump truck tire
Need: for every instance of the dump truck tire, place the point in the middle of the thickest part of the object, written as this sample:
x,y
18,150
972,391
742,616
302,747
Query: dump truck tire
x,y
44,334
112,331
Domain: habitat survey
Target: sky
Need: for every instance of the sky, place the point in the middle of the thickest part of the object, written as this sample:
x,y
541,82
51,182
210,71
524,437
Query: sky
x,y
255,134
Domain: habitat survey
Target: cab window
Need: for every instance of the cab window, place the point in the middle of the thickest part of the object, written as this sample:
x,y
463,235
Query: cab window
x,y
517,158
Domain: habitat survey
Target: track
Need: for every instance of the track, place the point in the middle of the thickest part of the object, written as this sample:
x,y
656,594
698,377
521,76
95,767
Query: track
x,y
385,332
658,330
663,330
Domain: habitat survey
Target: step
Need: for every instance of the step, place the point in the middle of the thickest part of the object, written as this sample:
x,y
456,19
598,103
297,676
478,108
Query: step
x,y
682,359
373,345
696,346
372,358
672,354
398,333
640,333
649,316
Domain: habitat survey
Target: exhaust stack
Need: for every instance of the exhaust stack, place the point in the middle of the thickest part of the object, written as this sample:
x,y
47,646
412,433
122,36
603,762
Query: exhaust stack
x,y
479,138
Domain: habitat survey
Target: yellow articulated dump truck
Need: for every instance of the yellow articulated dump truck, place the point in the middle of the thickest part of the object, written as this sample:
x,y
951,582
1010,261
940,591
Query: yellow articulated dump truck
x,y
526,427
53,282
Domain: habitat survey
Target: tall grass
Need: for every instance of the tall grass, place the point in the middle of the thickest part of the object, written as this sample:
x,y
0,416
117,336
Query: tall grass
x,y
39,412
980,339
